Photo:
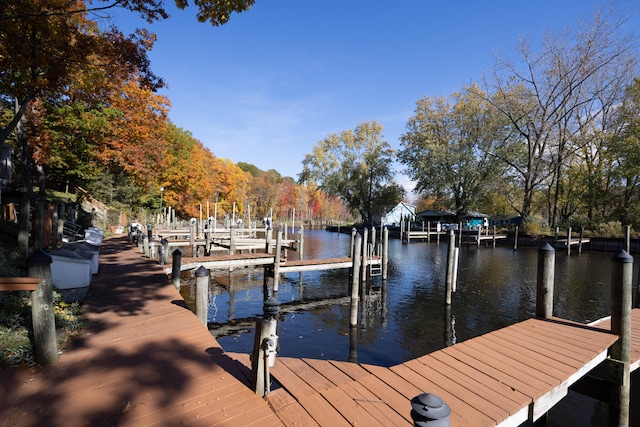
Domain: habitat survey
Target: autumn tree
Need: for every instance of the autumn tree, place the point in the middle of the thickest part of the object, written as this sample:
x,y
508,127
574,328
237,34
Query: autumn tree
x,y
357,167
449,149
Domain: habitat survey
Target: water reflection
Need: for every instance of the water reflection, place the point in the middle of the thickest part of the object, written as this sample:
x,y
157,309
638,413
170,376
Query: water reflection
x,y
406,317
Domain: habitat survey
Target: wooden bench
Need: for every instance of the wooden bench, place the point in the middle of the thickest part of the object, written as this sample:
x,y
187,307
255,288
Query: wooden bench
x,y
19,283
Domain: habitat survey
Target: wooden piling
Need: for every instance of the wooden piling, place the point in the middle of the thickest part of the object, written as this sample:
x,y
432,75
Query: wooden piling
x,y
175,268
202,294
232,240
450,267
301,243
365,255
355,280
545,281
569,241
264,345
515,240
621,296
276,262
627,238
42,309
385,253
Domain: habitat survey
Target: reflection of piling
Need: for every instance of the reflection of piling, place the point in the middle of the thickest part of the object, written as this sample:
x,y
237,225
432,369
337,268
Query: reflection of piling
x,y
621,295
546,272
355,280
202,294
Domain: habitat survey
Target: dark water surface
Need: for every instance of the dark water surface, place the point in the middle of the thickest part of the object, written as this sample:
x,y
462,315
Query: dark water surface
x,y
407,317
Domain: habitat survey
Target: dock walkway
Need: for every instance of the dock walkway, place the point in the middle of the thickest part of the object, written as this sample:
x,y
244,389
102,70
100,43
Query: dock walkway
x,y
146,360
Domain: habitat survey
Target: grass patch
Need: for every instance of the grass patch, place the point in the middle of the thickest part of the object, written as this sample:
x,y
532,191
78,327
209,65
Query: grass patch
x,y
16,334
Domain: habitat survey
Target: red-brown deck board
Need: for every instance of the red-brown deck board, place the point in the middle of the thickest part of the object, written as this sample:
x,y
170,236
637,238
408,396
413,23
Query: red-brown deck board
x,y
502,378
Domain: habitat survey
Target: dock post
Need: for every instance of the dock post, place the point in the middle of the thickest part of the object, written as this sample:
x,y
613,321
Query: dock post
x,y
355,281
232,240
621,296
515,240
385,253
373,239
580,240
428,231
353,240
569,241
267,237
479,236
175,268
276,261
460,234
164,245
301,243
627,238
365,254
264,347
192,238
42,309
494,236
202,294
545,281
450,267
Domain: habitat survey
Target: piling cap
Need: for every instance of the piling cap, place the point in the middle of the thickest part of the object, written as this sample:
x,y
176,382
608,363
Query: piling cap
x,y
546,248
622,257
202,271
430,407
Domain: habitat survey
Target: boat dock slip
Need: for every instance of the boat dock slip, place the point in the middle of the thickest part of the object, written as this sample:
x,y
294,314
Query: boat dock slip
x,y
224,261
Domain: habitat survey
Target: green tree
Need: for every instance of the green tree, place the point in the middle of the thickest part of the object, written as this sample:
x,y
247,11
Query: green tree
x,y
355,166
449,149
552,98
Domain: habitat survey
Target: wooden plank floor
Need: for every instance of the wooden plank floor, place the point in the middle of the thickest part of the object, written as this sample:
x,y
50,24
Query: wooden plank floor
x,y
502,378
146,360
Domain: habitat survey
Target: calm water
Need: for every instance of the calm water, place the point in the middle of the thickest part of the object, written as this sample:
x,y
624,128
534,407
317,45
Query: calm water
x,y
407,317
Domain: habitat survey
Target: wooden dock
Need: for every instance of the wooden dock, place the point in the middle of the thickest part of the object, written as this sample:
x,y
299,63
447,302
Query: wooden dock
x,y
504,378
147,360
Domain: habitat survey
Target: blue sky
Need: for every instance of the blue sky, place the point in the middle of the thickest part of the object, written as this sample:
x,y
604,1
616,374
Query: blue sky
x,y
271,83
